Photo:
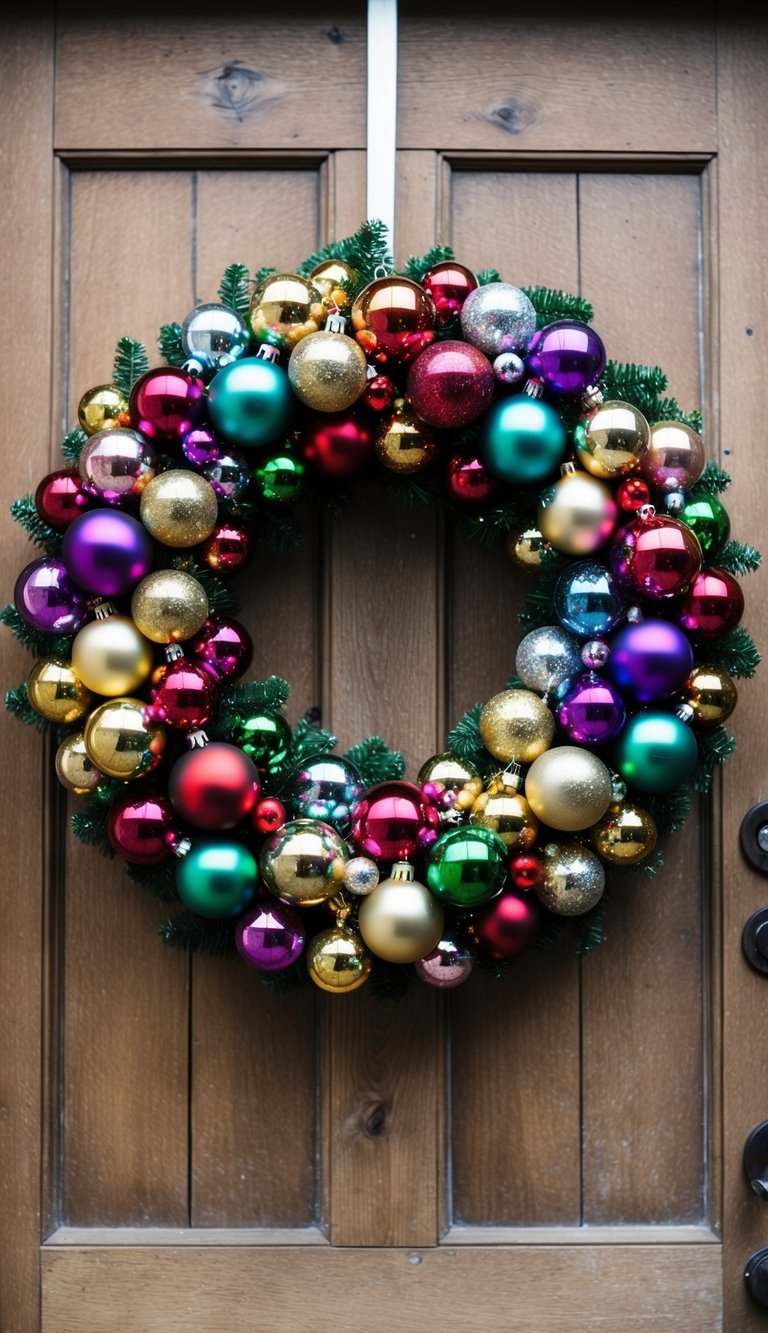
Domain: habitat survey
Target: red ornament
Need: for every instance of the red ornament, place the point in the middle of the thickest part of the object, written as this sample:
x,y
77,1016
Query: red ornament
x,y
655,558
228,549
393,821
714,606
380,394
451,384
337,445
468,482
449,285
166,404
632,494
223,648
141,831
525,871
506,926
60,498
183,695
269,815
214,787
393,319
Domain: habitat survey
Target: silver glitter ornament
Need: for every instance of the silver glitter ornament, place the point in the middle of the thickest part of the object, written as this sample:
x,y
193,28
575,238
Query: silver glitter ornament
x,y
498,318
212,335
595,654
572,879
546,657
509,368
361,876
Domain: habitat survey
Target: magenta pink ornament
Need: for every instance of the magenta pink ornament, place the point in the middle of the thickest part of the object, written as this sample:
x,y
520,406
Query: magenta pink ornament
x,y
142,830
450,384
393,821
166,404
714,606
223,647
468,481
655,558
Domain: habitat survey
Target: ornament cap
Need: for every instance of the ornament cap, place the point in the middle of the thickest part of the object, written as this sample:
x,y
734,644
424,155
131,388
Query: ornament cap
x,y
197,740
402,871
511,777
685,712
593,397
173,652
267,352
182,847
567,469
647,511
335,323
103,609
534,388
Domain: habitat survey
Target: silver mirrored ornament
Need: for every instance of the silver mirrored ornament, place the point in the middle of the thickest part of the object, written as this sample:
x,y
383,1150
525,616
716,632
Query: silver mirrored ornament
x,y
498,318
509,368
326,787
546,657
212,336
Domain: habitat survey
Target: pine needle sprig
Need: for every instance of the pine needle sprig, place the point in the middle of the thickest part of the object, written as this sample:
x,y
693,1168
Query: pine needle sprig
x,y
220,594
389,982
490,527
194,934
169,345
235,290
42,645
272,694
551,304
280,534
716,745
417,267
90,827
262,274
621,377
72,445
308,739
735,653
159,881
465,743
17,703
713,481
365,252
287,979
131,362
24,511
539,606
739,558
375,762
590,928
670,811
486,275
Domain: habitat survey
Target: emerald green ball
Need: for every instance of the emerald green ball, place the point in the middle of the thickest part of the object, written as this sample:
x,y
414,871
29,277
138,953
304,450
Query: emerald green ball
x,y
708,518
250,402
279,478
466,866
656,752
217,879
265,737
523,440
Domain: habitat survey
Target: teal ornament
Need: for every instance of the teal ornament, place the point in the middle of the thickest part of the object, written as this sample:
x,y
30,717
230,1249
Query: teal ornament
x,y
327,787
217,879
279,479
586,601
265,737
250,402
656,752
523,440
466,866
708,517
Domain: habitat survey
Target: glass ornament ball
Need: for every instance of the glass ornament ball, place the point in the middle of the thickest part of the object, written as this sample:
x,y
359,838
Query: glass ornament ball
x,y
338,446
338,961
184,696
712,695
250,402
270,936
522,440
121,742
141,829
75,770
650,660
166,404
115,465
56,693
595,654
674,502
214,786
179,508
392,821
508,368
453,773
546,657
625,835
449,284
265,737
111,656
201,446
450,384
447,965
404,444
590,711
527,549
401,921
284,309
361,876
498,318
217,879
47,599
326,787
304,862
169,606
223,647
328,371
101,408
380,393
393,320
611,439
656,752
466,866
279,478
568,788
714,605
107,552
468,482
228,549
567,356
709,519
577,515
586,600
506,927
675,457
525,871
507,814
213,335
572,879
331,277
516,726
655,558
633,494
269,815
60,498
228,474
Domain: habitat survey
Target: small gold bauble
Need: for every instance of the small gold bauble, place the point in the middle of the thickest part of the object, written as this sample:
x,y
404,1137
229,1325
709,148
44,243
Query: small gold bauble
x,y
508,815
446,768
179,508
403,443
56,692
527,549
74,769
625,835
577,514
304,862
284,309
711,694
568,788
101,408
111,657
169,606
401,921
516,725
120,743
338,961
611,439
328,371
572,878
329,277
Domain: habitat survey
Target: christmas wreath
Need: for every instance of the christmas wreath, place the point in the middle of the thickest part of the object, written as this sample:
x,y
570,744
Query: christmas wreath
x,y
499,403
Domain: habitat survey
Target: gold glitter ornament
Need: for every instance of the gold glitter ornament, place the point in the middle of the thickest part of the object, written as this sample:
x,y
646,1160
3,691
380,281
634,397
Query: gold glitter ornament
x,y
516,726
446,768
611,439
568,788
328,371
711,694
505,811
111,657
284,309
56,692
403,443
179,508
120,743
169,606
329,277
527,549
625,835
572,878
74,769
101,408
401,921
338,961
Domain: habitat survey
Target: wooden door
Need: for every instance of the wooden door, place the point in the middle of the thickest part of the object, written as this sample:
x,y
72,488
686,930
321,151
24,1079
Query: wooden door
x,y
558,1152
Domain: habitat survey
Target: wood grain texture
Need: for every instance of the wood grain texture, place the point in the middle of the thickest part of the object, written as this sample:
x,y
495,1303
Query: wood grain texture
x,y
586,1290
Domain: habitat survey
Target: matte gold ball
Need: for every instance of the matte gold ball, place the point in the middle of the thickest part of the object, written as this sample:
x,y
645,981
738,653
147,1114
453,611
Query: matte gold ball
x,y
120,743
611,439
74,769
111,657
284,309
179,508
508,815
516,725
329,277
625,835
577,514
328,371
169,606
338,961
400,920
304,862
527,549
446,768
56,692
712,695
568,788
572,878
403,443
101,408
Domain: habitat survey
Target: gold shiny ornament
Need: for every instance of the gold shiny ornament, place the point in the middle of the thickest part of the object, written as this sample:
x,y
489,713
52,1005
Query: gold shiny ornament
x,y
56,692
111,657
169,606
502,809
101,408
74,769
304,862
401,921
625,835
446,768
284,309
516,725
328,371
466,797
527,549
403,443
329,277
611,439
577,514
572,878
568,788
711,694
338,961
120,743
179,508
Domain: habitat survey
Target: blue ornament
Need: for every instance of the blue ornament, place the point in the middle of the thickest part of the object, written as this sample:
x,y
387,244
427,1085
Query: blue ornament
x,y
523,440
327,788
656,752
250,402
586,600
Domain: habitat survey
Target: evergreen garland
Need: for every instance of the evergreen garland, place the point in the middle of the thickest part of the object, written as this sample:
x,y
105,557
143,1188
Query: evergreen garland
x,y
24,512
169,345
131,362
235,289
72,445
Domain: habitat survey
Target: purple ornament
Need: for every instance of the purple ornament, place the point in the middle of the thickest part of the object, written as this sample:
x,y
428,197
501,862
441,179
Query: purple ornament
x,y
446,966
270,936
650,660
107,552
47,599
567,355
201,446
590,711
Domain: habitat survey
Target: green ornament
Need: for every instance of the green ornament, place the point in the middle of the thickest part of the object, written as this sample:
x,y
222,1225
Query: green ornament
x,y
708,518
279,479
250,402
656,752
523,440
265,737
466,866
217,879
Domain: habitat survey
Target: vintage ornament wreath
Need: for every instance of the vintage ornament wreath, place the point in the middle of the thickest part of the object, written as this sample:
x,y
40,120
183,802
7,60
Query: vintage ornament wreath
x,y
495,400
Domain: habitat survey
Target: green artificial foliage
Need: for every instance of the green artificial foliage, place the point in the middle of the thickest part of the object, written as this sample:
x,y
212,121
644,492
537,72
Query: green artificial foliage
x,y
287,979
262,274
490,527
169,345
713,481
365,252
539,606
308,739
197,934
279,533
42,645
486,275
551,304
552,929
739,558
24,511
235,289
416,268
590,927
669,811
159,881
465,743
90,827
375,762
72,445
131,362
622,377
17,703
716,745
388,982
736,653
220,594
